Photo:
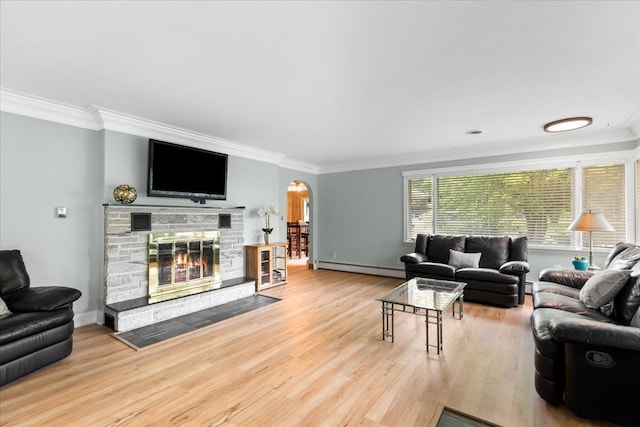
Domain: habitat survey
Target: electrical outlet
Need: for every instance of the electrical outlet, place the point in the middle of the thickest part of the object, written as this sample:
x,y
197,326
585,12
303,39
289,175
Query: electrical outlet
x,y
333,255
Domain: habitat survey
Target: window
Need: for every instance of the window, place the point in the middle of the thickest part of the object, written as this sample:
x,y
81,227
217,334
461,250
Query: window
x,y
603,191
540,204
420,210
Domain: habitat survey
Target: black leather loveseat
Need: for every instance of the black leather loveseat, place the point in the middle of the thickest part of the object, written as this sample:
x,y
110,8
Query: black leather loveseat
x,y
38,330
494,268
585,356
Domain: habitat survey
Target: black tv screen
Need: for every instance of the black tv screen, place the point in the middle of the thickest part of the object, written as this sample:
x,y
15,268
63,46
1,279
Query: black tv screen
x,y
186,172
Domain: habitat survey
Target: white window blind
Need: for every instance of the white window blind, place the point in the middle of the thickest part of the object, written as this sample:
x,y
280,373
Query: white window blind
x,y
537,204
540,204
420,207
603,190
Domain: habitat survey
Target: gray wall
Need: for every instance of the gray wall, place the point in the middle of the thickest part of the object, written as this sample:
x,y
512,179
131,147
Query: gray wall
x,y
360,213
45,165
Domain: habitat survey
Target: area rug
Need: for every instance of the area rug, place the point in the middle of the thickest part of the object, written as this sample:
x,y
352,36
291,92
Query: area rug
x,y
158,332
451,418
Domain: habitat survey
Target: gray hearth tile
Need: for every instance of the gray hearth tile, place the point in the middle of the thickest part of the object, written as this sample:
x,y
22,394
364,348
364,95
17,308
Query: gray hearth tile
x,y
161,331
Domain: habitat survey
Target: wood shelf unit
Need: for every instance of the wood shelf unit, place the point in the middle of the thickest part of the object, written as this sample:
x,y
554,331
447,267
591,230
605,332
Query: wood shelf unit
x,y
267,264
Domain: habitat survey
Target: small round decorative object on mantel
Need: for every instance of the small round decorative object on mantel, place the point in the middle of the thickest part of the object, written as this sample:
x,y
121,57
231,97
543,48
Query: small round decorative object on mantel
x,y
125,194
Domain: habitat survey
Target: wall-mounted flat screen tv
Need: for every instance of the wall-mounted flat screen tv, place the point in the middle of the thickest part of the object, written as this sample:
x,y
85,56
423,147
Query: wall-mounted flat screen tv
x,y
186,172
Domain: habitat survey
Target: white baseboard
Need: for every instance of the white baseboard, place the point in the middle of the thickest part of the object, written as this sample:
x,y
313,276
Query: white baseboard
x,y
364,269
86,318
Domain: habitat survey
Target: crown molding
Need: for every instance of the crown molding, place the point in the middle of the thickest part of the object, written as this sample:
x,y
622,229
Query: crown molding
x,y
528,145
125,123
45,109
296,165
633,123
98,118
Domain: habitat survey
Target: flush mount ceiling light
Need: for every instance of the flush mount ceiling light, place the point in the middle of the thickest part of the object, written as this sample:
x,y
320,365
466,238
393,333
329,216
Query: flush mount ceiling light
x,y
564,125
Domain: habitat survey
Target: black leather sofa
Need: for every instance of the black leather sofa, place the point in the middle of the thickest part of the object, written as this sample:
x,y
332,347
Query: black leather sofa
x,y
589,358
499,278
39,329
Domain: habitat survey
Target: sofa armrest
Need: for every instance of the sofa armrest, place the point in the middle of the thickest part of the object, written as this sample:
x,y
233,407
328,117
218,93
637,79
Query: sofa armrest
x,y
414,258
515,267
595,332
572,278
45,298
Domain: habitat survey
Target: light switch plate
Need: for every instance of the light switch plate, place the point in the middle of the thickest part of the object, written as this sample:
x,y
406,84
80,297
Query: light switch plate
x,y
61,212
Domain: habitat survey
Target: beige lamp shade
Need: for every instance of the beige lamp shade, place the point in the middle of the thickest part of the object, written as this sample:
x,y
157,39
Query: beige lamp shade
x,y
589,221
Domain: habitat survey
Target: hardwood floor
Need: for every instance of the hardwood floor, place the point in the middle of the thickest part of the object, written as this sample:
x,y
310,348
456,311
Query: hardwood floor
x,y
313,359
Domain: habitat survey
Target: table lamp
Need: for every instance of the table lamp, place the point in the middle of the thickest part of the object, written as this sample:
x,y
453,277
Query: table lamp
x,y
589,221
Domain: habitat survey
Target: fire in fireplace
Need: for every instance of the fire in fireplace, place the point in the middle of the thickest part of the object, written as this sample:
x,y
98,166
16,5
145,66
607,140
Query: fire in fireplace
x,y
183,263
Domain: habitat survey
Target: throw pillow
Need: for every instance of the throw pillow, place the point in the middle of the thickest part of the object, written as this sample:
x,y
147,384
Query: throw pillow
x,y
4,310
464,260
602,287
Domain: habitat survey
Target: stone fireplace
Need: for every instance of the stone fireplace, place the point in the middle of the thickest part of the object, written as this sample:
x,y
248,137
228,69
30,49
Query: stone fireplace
x,y
187,259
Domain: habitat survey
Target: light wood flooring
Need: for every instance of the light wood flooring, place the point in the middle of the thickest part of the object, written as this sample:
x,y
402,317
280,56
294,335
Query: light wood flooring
x,y
313,359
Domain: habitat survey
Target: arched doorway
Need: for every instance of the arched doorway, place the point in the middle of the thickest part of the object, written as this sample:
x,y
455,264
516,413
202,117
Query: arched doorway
x,y
298,223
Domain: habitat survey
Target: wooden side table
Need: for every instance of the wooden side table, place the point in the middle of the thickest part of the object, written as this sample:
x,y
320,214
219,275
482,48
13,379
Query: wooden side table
x,y
267,264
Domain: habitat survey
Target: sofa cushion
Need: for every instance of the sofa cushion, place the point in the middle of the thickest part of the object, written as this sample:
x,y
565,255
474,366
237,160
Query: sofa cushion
x,y
439,245
432,269
20,325
625,260
620,247
485,275
627,302
422,240
494,250
30,344
519,249
602,287
13,273
568,304
464,260
555,288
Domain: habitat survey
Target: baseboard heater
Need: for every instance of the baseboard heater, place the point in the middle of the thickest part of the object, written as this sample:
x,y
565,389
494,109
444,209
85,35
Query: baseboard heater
x,y
363,269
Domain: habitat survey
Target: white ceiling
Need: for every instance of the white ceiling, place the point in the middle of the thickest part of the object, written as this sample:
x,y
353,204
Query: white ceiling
x,y
334,84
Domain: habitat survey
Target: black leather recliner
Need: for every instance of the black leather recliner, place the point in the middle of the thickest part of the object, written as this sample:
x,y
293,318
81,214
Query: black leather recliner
x,y
588,358
499,278
39,329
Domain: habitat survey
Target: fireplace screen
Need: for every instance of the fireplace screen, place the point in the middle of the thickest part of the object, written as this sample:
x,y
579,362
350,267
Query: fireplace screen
x,y
183,263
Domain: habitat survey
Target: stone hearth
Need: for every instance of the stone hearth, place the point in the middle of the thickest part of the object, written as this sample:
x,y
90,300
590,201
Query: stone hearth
x,y
127,263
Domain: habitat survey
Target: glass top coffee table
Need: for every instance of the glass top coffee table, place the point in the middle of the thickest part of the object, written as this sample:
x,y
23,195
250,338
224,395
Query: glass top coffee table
x,y
424,297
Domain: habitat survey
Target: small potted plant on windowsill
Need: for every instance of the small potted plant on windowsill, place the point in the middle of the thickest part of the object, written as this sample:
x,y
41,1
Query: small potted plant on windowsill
x,y
580,263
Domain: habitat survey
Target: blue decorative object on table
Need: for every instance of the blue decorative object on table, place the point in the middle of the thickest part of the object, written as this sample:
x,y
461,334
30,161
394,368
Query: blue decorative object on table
x,y
580,264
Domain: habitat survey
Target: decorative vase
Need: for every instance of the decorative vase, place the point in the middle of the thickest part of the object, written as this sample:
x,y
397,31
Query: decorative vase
x,y
125,194
580,264
266,238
